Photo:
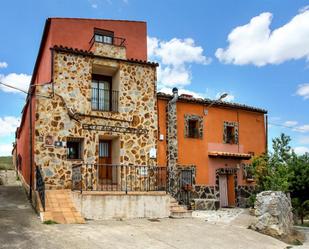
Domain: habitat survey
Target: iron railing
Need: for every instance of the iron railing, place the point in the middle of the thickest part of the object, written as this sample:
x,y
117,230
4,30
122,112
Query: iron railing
x,y
126,178
116,41
104,100
40,186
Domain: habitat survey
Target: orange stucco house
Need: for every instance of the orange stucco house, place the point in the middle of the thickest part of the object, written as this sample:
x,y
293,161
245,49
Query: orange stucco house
x,y
207,146
93,120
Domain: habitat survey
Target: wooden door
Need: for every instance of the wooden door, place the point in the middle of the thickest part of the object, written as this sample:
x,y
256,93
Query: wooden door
x,y
231,190
223,191
105,161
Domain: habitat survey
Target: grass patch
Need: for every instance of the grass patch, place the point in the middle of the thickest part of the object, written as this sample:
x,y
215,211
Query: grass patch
x,y
6,163
50,222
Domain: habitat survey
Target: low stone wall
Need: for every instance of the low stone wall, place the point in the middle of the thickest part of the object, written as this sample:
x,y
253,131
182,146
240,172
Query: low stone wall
x,y
273,210
205,204
118,205
243,194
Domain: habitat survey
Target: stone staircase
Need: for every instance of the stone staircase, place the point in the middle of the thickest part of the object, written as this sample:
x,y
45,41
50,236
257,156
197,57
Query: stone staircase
x,y
179,211
59,207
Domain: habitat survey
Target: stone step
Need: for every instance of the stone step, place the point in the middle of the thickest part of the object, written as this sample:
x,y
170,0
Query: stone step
x,y
181,214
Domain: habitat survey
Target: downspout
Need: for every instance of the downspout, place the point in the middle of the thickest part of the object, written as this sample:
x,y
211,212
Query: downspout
x,y
266,133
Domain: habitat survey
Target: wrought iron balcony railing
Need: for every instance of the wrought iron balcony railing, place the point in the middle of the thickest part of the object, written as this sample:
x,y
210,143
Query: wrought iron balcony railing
x,y
104,100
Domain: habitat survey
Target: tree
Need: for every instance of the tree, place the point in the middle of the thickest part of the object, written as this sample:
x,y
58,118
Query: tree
x,y
283,170
271,170
299,184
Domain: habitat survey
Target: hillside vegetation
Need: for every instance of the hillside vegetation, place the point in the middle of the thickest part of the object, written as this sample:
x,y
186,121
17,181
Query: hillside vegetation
x,y
6,162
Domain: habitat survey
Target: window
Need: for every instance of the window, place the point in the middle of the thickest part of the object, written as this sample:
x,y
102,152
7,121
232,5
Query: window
x,y
230,135
193,128
74,148
102,95
103,36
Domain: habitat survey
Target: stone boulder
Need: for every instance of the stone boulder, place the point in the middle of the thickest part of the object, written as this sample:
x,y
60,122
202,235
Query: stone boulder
x,y
273,210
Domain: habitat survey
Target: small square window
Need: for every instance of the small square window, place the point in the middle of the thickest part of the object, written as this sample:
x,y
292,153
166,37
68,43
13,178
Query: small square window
x,y
193,128
230,134
74,148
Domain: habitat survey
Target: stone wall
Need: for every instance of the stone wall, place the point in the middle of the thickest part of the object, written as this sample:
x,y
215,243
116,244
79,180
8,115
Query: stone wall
x,y
273,210
108,50
172,149
69,109
243,194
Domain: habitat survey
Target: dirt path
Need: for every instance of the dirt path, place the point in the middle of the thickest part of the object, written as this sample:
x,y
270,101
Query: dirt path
x,y
21,228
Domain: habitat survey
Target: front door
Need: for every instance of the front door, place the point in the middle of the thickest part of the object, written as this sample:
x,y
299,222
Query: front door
x,y
223,190
105,161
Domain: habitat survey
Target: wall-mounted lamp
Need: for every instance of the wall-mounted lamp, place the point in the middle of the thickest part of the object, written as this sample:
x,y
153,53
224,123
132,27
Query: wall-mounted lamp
x,y
222,96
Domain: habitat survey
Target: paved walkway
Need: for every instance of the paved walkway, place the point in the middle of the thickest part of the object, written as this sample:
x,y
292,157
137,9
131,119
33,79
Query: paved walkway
x,y
20,227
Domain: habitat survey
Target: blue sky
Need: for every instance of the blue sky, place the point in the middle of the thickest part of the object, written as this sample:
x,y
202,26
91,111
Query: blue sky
x,y
255,50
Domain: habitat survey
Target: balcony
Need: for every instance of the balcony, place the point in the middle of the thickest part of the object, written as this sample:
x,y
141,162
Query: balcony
x,y
109,46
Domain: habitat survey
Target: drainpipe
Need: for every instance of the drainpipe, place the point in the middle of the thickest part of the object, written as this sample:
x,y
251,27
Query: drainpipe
x,y
172,145
266,133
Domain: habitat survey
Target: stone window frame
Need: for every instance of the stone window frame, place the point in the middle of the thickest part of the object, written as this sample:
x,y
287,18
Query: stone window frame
x,y
236,134
197,118
81,140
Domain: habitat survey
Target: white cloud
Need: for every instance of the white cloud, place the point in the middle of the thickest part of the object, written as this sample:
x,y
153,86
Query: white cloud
x,y
94,5
303,9
183,91
302,128
254,43
20,81
300,150
290,123
228,98
303,90
175,57
3,64
8,125
6,149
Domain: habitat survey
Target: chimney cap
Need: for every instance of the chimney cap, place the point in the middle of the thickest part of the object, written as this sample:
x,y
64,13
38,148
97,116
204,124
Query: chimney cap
x,y
175,90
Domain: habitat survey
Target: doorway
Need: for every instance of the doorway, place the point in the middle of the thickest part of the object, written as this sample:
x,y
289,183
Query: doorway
x,y
105,162
227,190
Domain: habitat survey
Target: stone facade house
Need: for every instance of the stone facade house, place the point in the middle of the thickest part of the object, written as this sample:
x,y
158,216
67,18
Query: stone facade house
x,y
94,122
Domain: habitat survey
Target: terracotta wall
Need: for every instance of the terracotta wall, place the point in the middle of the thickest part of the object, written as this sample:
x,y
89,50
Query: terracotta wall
x,y
77,33
195,151
23,143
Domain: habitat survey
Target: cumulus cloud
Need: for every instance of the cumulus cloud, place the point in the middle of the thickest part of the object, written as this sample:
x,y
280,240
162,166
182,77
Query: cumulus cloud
x,y
290,123
175,57
6,149
20,81
8,125
3,64
303,90
254,43
301,150
302,128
